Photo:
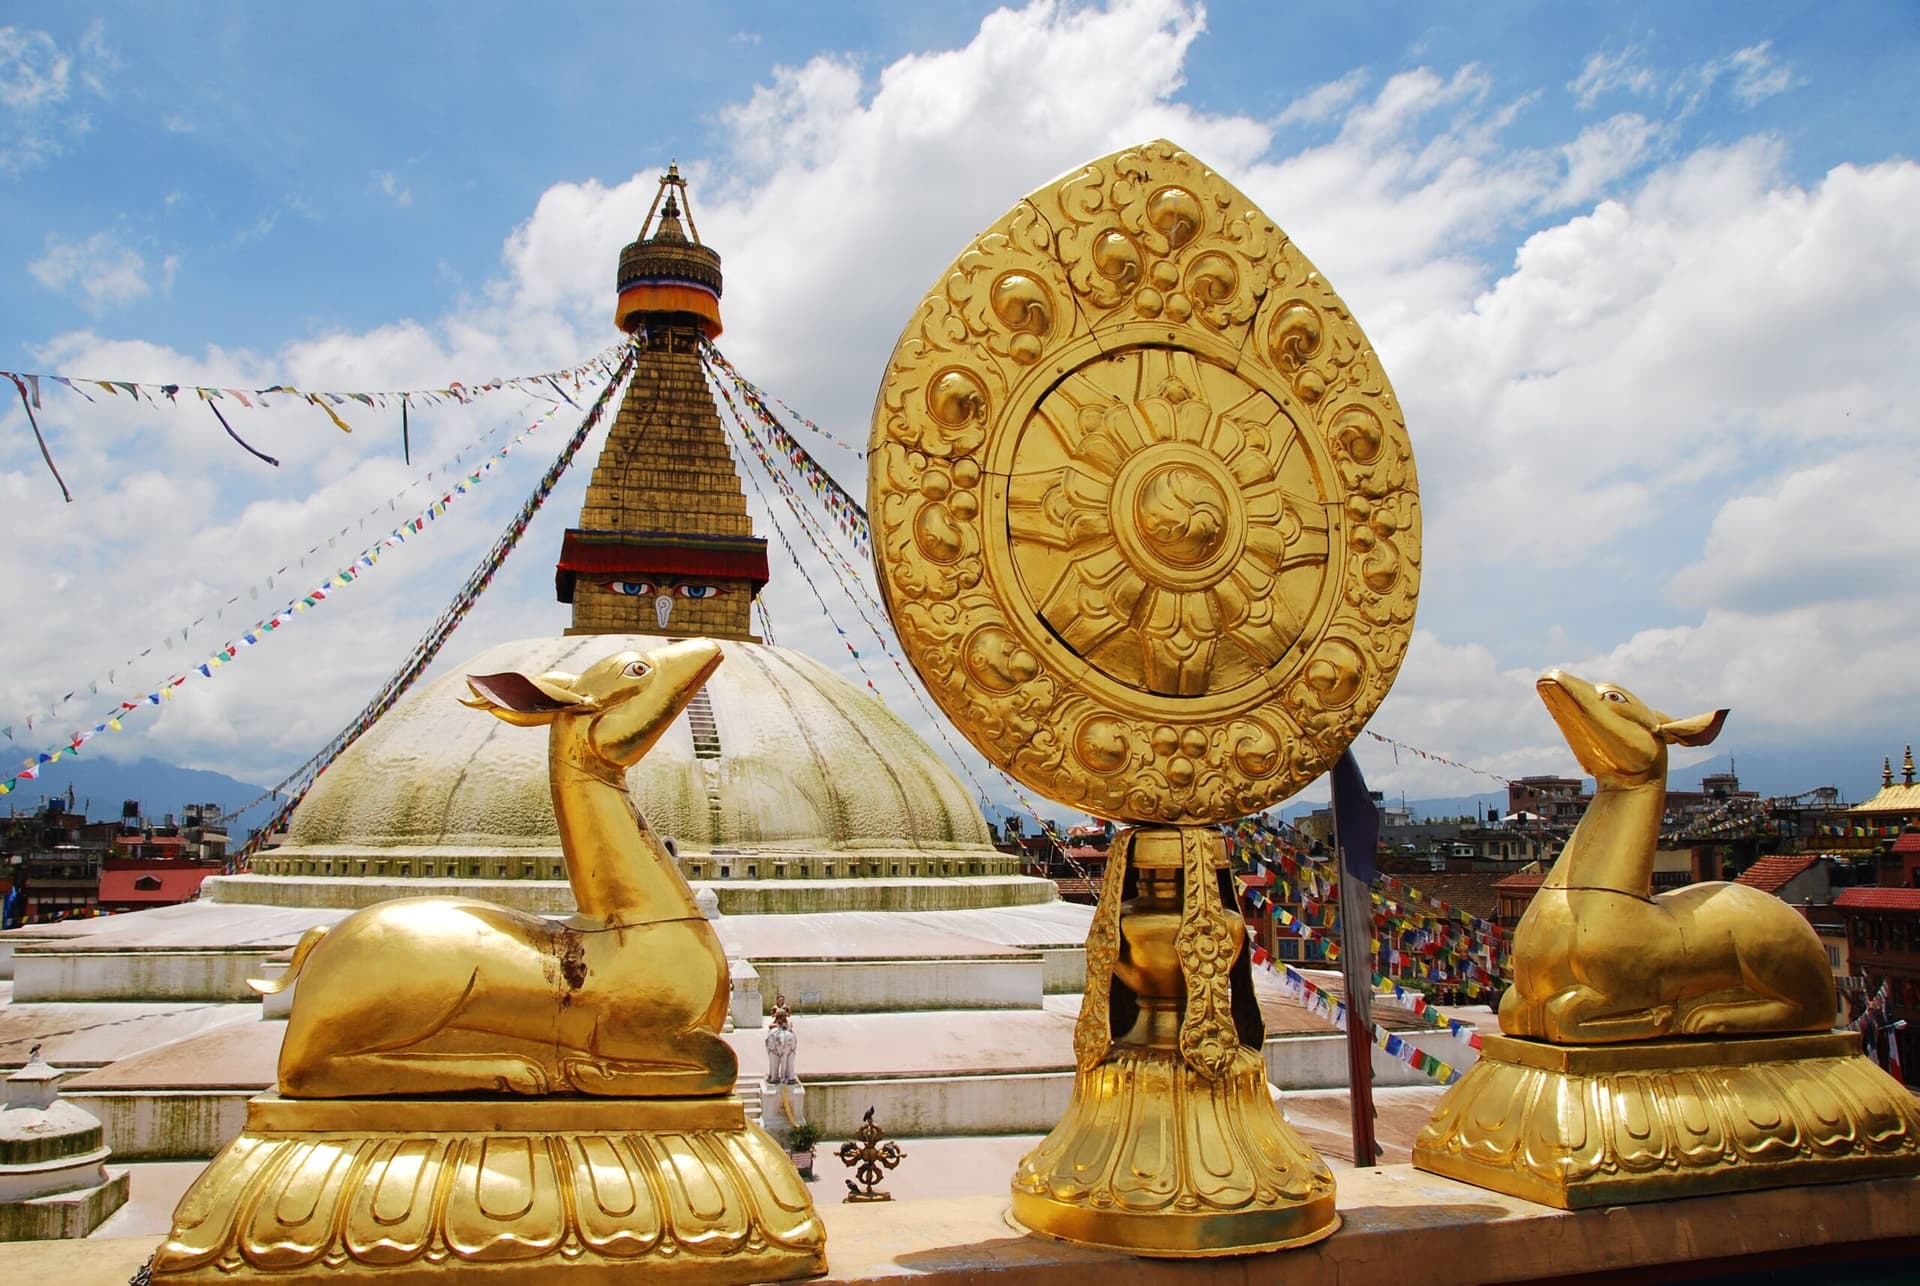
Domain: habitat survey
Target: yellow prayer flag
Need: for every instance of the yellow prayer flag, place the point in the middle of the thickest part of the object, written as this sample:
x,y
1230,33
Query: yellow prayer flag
x,y
342,424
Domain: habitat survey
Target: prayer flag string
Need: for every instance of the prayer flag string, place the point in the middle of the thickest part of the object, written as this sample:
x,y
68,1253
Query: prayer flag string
x,y
268,625
110,677
301,780
1334,1011
29,386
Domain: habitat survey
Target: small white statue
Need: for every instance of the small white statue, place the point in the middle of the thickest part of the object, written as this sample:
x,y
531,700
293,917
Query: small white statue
x,y
781,1047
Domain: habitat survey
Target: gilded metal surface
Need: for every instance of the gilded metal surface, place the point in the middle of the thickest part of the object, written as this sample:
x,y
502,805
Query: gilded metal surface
x,y
358,1168
1597,959
1581,1126
1147,525
1155,1159
426,996
571,1190
1146,514
1600,1103
1171,1144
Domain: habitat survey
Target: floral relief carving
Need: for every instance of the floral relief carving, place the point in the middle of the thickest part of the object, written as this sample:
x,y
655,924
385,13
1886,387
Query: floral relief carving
x,y
1147,518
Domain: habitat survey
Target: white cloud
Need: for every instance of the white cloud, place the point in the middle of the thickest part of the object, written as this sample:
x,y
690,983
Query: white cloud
x,y
1751,75
1756,76
98,61
1324,101
258,230
1601,156
1606,73
38,117
105,271
393,189
33,71
1836,533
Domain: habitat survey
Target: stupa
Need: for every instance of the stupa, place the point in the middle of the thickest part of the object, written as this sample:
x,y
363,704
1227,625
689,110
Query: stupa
x,y
780,771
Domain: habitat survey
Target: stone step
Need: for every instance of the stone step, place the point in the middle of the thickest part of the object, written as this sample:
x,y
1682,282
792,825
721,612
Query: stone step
x,y
1016,980
176,1122
49,972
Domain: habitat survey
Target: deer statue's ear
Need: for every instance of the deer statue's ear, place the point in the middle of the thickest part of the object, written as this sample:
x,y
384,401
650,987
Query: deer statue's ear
x,y
518,700
1698,730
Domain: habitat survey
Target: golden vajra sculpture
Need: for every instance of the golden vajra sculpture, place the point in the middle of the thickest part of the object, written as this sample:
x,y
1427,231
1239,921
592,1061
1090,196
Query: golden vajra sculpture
x,y
1658,1046
1147,524
594,1126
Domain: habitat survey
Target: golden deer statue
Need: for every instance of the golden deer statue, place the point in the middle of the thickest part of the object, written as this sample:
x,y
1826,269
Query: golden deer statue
x,y
424,996
1599,960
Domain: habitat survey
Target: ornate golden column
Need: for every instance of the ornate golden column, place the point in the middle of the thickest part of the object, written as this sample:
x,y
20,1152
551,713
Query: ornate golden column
x,y
1146,522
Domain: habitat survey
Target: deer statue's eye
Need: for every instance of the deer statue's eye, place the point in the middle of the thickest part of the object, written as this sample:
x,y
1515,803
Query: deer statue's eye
x,y
638,669
1619,698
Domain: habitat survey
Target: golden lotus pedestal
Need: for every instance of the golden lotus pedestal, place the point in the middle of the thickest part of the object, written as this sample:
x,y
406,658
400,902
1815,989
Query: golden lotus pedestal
x,y
1153,1159
1577,1126
496,1191
1171,1145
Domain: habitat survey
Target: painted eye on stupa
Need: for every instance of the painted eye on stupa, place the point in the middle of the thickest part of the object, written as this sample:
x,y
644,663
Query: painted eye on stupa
x,y
631,588
700,591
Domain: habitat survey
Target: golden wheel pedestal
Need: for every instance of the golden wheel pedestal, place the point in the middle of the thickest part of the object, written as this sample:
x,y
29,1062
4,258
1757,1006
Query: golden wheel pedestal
x,y
1172,1145
496,1191
1576,1126
1156,1160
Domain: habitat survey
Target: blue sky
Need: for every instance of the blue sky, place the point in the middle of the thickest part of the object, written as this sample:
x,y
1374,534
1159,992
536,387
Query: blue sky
x,y
1642,274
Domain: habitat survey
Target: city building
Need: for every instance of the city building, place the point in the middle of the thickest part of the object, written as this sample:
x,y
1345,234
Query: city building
x,y
66,865
1883,945
1559,801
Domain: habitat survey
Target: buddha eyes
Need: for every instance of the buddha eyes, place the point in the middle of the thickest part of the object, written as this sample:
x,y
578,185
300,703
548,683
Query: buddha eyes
x,y
642,588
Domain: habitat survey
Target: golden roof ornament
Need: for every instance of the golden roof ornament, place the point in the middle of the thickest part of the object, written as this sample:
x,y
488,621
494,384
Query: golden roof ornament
x,y
667,276
1147,525
1906,768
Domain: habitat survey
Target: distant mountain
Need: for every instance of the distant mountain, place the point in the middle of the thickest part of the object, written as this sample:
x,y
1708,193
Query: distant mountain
x,y
100,786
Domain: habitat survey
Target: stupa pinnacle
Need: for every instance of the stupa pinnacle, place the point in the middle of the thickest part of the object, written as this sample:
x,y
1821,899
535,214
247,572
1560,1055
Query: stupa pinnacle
x,y
664,544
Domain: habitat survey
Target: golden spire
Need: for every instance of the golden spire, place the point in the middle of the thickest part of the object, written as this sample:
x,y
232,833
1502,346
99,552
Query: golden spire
x,y
1906,768
1886,772
664,544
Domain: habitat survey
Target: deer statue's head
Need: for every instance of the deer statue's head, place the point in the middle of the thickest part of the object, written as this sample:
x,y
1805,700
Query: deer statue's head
x,y
1615,734
624,701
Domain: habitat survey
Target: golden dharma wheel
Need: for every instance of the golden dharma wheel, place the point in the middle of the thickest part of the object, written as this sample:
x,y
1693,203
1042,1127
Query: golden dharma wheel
x,y
1144,505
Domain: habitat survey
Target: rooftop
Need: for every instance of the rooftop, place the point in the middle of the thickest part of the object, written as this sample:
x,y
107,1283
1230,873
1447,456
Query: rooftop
x,y
1877,899
1771,874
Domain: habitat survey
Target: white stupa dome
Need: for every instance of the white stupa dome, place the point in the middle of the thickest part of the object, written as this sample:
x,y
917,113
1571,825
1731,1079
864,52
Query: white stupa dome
x,y
783,770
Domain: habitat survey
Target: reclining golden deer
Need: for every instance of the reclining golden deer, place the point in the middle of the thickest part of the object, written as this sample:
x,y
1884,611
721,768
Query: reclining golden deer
x,y
1596,959
442,995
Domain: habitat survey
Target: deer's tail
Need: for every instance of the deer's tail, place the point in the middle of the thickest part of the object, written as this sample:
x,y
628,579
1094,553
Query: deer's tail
x,y
302,949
